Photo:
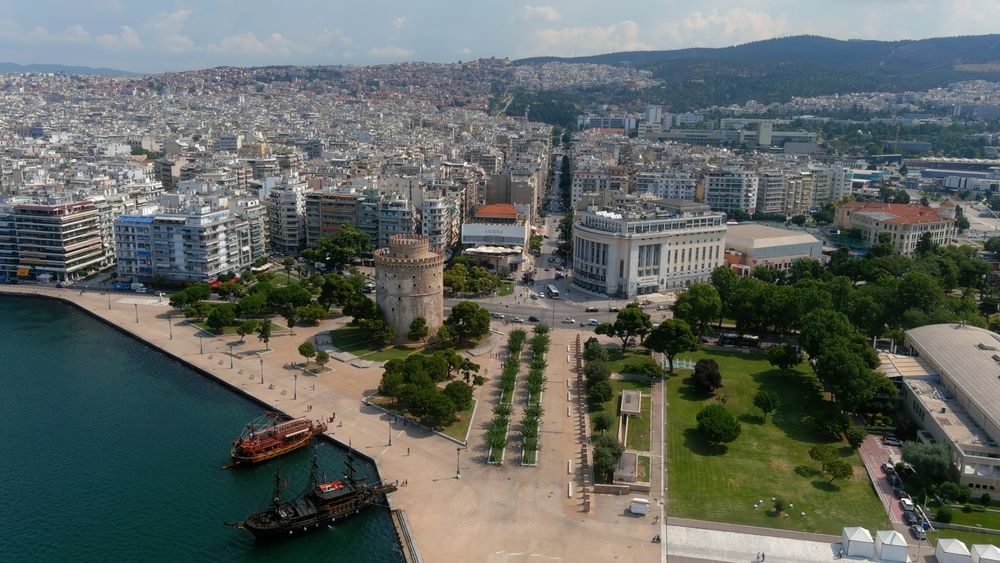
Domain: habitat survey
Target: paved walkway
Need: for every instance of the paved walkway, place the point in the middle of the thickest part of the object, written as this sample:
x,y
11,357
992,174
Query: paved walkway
x,y
490,514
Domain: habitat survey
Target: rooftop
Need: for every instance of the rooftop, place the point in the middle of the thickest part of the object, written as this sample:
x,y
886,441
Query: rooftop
x,y
898,213
763,236
505,210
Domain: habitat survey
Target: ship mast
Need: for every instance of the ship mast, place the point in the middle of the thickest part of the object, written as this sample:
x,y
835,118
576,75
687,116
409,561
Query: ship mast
x,y
276,495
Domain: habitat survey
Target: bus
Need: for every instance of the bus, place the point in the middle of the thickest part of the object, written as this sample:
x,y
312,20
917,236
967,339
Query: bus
x,y
553,292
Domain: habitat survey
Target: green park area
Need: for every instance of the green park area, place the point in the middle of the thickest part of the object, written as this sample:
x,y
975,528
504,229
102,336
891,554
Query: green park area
x,y
611,407
457,429
355,340
769,458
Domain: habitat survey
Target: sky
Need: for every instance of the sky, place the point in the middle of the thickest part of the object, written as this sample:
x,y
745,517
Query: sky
x,y
154,36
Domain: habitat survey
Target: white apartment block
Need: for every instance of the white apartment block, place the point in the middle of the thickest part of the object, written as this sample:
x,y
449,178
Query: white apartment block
x,y
440,221
286,210
604,182
731,189
798,192
646,246
771,192
666,184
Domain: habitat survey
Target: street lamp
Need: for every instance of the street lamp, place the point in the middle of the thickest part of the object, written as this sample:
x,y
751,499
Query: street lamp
x,y
458,463
136,312
295,389
231,357
201,345
170,325
390,432
109,301
262,371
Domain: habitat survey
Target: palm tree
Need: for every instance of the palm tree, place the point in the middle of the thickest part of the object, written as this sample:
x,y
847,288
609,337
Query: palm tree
x,y
288,263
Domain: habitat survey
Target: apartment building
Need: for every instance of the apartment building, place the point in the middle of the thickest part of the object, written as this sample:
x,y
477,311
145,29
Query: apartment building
x,y
396,216
58,240
731,189
771,192
440,221
666,184
328,211
646,246
286,210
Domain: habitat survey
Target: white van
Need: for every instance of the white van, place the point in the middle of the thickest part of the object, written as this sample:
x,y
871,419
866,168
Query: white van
x,y
907,504
639,506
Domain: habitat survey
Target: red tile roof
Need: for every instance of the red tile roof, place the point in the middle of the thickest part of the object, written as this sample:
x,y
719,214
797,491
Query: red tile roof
x,y
902,213
504,210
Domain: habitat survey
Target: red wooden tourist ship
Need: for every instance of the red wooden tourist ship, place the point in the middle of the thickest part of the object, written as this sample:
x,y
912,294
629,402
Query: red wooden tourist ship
x,y
270,436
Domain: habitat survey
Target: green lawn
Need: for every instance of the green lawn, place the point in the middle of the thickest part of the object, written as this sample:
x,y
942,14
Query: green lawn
x,y
769,459
353,340
638,427
457,429
970,538
621,364
610,407
506,288
988,519
643,473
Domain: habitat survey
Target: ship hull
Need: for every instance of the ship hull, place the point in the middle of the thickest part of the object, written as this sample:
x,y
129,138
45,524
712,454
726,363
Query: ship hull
x,y
250,459
268,526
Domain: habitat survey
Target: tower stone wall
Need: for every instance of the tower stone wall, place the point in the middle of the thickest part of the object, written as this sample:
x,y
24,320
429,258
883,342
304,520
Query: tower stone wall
x,y
409,283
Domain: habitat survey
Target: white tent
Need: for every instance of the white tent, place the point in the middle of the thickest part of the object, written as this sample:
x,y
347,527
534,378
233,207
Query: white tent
x,y
985,553
952,551
858,542
891,545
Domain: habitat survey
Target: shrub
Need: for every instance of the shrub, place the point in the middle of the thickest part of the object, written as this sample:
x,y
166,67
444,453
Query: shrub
x,y
855,435
596,372
985,500
599,393
967,508
706,376
943,515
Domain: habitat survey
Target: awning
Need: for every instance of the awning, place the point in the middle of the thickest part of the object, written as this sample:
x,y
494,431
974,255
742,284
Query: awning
x,y
23,272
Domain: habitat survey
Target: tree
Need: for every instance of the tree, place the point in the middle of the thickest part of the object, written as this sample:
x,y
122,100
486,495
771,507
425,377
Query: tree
x,y
930,461
766,401
221,317
822,454
602,422
288,263
992,245
337,249
699,306
799,220
943,515
985,500
322,357
779,505
631,321
264,333
468,321
718,425
596,372
247,327
672,337
288,312
418,329
599,392
925,244
855,435
724,281
445,337
838,469
593,350
307,350
604,464
706,377
460,394
783,356
198,310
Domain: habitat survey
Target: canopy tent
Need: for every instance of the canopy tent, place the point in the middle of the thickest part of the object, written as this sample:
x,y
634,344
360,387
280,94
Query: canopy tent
x,y
952,551
985,553
858,542
891,545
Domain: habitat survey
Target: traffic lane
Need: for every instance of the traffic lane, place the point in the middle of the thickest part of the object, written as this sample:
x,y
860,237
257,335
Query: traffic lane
x,y
874,453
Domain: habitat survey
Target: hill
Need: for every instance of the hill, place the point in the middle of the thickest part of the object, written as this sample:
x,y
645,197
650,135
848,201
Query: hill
x,y
62,69
805,65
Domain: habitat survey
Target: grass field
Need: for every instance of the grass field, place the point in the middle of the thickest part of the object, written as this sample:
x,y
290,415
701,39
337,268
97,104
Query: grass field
x,y
638,427
970,538
989,519
353,340
643,472
769,459
506,288
610,407
231,329
622,364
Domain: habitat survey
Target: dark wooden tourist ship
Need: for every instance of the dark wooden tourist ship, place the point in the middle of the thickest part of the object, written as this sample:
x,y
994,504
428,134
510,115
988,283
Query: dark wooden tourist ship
x,y
268,437
322,504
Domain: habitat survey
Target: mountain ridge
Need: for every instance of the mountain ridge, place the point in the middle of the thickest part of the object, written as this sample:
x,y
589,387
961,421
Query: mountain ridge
x,y
14,68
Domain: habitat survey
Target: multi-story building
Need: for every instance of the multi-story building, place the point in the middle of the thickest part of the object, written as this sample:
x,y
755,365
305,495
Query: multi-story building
x,y
605,182
396,216
328,211
8,242
731,189
440,221
228,143
904,222
58,240
286,210
750,245
798,192
646,246
771,192
830,184
666,184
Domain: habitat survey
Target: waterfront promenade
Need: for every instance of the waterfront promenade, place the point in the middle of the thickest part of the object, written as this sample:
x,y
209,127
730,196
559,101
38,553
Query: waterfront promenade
x,y
492,514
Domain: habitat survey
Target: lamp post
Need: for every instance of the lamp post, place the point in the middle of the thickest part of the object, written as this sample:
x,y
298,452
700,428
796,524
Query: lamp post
x,y
109,300
230,357
201,342
262,371
390,432
458,463
295,388
170,325
136,312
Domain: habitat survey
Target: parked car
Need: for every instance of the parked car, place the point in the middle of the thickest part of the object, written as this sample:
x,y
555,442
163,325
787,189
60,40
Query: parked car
x,y
593,322
910,518
516,320
568,320
892,442
894,480
888,469
661,307
918,532
898,492
907,505
497,315
534,319
591,309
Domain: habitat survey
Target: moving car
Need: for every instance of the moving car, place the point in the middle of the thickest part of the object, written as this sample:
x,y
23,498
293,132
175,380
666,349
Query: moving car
x,y
568,320
591,309
534,319
593,322
516,320
497,315
613,309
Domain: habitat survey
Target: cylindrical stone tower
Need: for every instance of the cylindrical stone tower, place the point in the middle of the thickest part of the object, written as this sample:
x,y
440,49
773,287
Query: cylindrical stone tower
x,y
409,283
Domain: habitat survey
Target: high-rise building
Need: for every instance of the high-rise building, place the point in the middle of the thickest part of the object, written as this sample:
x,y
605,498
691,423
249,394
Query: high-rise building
x,y
666,184
328,211
731,189
440,221
771,192
286,216
396,216
58,240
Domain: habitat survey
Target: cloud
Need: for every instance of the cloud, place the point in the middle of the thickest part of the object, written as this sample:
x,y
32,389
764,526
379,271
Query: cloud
x,y
390,53
398,23
127,39
538,14
248,44
167,31
621,36
464,51
736,25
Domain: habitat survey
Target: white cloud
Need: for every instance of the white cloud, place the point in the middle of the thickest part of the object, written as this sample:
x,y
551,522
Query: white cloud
x,y
168,27
248,44
127,39
328,37
736,25
538,14
568,41
398,23
464,51
389,53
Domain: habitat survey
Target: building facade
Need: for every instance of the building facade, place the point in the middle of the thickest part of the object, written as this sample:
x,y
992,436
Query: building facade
x,y
409,283
58,241
731,189
906,223
646,246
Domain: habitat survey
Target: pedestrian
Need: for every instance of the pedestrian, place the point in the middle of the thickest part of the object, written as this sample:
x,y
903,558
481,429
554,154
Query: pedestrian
x,y
407,451
763,556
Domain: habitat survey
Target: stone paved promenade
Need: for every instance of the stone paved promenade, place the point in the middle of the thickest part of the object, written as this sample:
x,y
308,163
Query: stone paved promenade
x,y
492,514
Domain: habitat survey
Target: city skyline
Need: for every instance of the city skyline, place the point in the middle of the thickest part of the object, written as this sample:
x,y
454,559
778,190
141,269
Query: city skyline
x,y
186,35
